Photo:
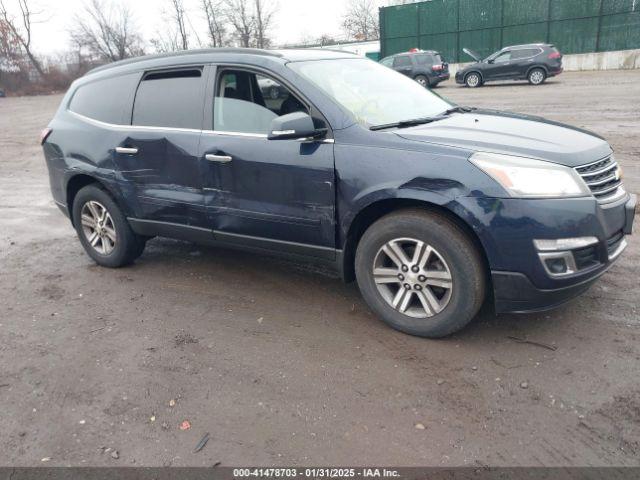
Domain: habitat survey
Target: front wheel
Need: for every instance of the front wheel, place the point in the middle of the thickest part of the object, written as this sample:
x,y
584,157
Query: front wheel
x,y
103,229
537,76
473,80
420,273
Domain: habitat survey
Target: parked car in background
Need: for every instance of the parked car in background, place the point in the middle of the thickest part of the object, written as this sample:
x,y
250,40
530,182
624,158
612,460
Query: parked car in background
x,y
533,62
432,207
428,68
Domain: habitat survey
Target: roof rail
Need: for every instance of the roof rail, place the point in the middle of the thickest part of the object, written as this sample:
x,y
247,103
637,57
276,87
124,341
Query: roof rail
x,y
199,51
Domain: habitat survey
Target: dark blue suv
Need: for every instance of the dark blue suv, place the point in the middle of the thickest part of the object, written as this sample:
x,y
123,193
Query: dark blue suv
x,y
432,207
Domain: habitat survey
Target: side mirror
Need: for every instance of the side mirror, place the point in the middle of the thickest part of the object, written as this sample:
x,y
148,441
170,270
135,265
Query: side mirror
x,y
293,125
490,61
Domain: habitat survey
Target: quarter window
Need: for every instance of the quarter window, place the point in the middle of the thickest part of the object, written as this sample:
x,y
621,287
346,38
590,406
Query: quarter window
x,y
106,100
247,102
424,59
172,99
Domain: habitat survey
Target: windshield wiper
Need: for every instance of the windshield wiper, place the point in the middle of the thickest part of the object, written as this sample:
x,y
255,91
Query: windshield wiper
x,y
458,109
423,120
405,123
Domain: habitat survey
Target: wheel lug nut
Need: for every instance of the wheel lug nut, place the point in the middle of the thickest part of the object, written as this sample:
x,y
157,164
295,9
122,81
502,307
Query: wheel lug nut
x,y
405,268
422,278
407,286
401,276
418,287
415,269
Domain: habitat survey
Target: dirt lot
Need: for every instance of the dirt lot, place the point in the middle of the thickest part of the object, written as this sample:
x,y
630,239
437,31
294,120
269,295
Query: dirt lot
x,y
283,365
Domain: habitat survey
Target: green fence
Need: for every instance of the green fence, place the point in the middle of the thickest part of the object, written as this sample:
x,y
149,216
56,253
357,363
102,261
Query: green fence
x,y
574,26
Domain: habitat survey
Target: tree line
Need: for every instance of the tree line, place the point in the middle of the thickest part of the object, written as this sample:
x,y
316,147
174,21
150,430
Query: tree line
x,y
105,31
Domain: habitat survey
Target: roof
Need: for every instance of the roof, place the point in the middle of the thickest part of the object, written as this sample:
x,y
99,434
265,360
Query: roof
x,y
525,45
292,55
419,52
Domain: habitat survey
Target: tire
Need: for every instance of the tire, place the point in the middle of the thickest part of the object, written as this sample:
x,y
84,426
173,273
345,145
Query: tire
x,y
451,251
473,80
114,243
422,80
537,76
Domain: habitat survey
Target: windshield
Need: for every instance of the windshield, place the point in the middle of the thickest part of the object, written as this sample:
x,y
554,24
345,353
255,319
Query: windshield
x,y
374,94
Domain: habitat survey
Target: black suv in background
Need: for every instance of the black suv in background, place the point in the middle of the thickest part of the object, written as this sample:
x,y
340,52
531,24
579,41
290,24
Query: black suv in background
x,y
428,68
534,62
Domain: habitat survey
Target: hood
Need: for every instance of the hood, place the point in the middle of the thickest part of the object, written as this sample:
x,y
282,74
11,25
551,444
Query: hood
x,y
512,134
472,54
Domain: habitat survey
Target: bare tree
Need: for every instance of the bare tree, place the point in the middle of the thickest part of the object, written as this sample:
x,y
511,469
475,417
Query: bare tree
x,y
107,30
214,15
21,30
361,20
242,20
179,17
263,19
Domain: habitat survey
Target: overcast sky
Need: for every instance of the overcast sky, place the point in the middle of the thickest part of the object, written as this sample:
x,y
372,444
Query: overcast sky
x,y
294,20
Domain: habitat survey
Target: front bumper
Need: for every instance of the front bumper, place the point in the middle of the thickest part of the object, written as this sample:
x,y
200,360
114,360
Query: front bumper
x,y
507,227
514,292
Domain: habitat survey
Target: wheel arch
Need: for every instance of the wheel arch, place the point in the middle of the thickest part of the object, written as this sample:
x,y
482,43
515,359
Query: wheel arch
x,y
79,180
377,209
541,67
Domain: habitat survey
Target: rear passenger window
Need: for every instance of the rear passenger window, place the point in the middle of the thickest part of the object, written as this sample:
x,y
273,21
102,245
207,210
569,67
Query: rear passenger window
x,y
106,100
402,61
172,99
524,53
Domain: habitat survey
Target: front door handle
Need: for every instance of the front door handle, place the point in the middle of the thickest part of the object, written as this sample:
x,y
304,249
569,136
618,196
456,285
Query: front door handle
x,y
127,150
218,158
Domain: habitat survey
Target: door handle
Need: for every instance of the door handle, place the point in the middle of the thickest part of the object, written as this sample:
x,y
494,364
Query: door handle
x,y
127,150
218,158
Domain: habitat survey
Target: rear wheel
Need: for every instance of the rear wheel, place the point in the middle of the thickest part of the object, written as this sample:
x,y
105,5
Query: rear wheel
x,y
420,273
537,76
422,80
103,229
473,80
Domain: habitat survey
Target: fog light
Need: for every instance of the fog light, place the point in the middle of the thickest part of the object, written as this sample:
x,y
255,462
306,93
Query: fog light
x,y
558,264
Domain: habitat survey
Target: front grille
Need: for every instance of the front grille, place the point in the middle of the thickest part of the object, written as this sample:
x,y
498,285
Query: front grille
x,y
602,178
614,242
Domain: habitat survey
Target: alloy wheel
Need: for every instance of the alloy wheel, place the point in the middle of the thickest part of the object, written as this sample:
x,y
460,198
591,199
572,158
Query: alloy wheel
x,y
98,227
412,277
473,80
537,77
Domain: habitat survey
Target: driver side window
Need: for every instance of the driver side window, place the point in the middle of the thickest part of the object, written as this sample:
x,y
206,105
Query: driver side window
x,y
502,58
247,102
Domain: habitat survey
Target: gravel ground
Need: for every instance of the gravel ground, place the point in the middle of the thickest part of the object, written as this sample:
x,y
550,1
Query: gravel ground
x,y
284,365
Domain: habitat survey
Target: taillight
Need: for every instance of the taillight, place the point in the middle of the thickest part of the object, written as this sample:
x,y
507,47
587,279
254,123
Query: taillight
x,y
554,55
437,68
44,135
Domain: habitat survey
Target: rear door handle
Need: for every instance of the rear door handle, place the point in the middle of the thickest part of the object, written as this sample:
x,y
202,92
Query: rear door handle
x,y
218,158
126,150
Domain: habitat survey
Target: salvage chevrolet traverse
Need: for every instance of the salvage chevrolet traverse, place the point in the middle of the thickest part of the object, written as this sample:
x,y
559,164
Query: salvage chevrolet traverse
x,y
433,208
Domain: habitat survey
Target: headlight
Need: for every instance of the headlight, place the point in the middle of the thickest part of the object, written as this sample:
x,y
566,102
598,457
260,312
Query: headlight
x,y
525,177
